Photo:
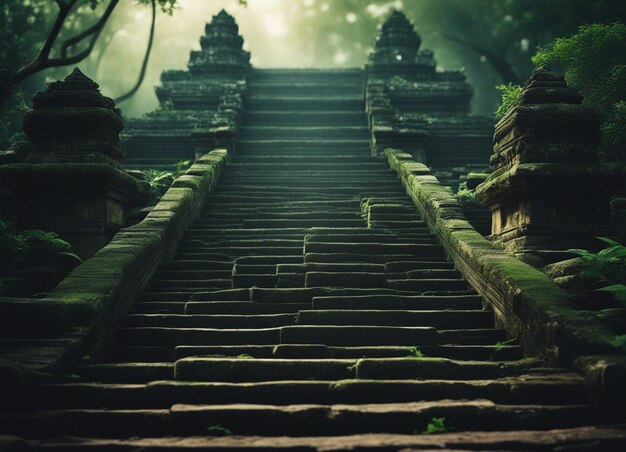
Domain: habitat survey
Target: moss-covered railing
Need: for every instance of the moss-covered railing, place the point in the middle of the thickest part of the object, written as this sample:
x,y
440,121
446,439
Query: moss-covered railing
x,y
89,301
525,301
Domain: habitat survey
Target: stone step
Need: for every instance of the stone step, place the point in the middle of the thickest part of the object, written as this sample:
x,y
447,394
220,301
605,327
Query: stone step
x,y
299,420
213,216
243,269
351,335
271,102
398,302
437,319
260,280
192,275
413,249
326,132
341,268
296,147
343,258
603,438
161,336
428,285
196,320
202,265
545,390
314,351
306,294
374,237
137,373
242,307
345,279
313,118
174,285
307,88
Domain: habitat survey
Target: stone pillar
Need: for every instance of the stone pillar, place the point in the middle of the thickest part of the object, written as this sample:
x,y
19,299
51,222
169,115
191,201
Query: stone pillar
x,y
547,190
69,180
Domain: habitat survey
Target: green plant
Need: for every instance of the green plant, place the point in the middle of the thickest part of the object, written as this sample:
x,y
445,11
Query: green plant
x,y
608,264
218,430
620,342
510,98
435,425
182,166
22,244
415,353
594,62
244,356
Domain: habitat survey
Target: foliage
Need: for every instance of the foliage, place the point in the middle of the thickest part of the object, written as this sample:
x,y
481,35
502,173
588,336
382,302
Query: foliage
x,y
160,181
29,242
619,342
218,430
415,353
244,356
609,264
435,425
465,194
510,98
594,62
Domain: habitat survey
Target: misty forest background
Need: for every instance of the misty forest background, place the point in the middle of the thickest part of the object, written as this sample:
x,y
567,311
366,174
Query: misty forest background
x,y
492,40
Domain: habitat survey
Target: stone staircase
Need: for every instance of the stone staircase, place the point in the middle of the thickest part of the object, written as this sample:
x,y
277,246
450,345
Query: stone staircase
x,y
311,301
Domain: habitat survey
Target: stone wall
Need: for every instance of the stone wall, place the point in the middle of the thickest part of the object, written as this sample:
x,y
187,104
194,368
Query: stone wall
x,y
526,302
83,309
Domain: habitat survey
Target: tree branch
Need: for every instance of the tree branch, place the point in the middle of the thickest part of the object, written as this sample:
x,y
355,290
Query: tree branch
x,y
38,64
500,64
94,30
144,66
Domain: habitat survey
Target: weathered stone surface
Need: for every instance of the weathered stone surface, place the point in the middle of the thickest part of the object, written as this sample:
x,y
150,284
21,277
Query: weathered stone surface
x,y
547,191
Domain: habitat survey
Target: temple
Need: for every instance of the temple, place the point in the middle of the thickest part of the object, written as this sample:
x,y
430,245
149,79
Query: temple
x,y
428,108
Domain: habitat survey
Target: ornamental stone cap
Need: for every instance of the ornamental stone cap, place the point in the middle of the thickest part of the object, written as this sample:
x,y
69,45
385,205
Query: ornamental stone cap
x,y
76,90
72,117
398,41
547,87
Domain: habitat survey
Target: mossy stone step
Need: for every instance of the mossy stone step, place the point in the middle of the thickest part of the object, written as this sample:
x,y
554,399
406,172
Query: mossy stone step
x,y
208,320
162,336
345,258
192,275
416,237
186,285
439,319
398,302
252,280
203,265
344,279
242,307
342,268
307,420
351,335
429,285
306,294
412,249
138,372
244,370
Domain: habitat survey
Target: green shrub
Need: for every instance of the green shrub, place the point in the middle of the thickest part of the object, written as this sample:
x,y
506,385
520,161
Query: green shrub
x,y
510,98
594,62
435,425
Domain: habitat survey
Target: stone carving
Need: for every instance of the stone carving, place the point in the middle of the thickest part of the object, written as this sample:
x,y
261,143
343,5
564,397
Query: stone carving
x,y
190,99
410,103
69,179
547,191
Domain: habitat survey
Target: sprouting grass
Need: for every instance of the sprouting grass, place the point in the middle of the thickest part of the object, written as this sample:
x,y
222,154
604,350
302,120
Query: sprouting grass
x,y
435,425
415,353
218,430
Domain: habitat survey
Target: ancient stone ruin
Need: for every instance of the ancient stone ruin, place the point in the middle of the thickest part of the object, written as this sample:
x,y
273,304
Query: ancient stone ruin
x,y
312,280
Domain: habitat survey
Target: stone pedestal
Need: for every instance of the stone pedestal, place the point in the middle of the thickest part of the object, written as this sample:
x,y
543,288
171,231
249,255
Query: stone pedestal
x,y
546,191
69,180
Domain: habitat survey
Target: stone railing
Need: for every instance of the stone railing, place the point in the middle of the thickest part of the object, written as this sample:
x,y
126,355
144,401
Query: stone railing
x,y
525,301
85,306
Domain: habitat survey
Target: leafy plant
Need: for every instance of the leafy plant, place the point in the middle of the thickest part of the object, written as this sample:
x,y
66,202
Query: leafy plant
x,y
620,342
20,244
415,353
160,180
594,62
608,264
244,356
435,425
510,98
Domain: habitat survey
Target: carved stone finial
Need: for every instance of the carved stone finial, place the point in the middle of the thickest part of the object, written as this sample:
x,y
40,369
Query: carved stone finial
x,y
71,118
398,42
222,49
